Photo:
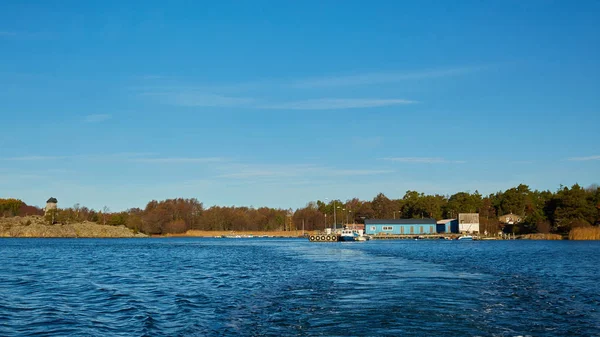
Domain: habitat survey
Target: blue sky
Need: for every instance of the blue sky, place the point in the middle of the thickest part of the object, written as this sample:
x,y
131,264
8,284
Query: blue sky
x,y
277,103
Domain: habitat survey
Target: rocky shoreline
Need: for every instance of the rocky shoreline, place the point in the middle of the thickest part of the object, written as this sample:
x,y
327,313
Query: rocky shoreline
x,y
36,227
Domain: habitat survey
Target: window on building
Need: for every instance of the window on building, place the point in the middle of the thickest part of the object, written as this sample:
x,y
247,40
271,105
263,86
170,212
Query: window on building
x,y
421,229
412,229
388,228
431,229
402,230
373,228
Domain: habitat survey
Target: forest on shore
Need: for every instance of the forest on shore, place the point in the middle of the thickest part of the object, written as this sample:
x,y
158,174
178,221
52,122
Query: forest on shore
x,y
541,211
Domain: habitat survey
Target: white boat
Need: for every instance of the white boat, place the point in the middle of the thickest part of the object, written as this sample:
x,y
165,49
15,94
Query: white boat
x,y
466,237
348,235
353,235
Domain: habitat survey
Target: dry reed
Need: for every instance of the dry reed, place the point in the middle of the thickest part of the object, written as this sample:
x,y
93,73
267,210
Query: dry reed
x,y
541,236
585,233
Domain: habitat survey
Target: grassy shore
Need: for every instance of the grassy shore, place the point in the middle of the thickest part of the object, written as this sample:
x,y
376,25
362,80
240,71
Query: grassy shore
x,y
585,233
196,233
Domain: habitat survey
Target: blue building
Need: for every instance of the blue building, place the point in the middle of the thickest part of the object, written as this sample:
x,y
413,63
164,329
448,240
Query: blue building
x,y
447,226
400,226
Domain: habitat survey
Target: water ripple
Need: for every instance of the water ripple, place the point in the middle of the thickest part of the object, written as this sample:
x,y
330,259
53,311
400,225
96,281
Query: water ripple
x,y
275,287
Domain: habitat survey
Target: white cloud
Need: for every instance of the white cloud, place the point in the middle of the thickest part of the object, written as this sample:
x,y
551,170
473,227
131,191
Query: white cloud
x,y
584,158
97,118
422,160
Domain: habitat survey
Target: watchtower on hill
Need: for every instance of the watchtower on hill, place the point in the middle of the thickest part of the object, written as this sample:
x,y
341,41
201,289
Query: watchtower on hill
x,y
51,204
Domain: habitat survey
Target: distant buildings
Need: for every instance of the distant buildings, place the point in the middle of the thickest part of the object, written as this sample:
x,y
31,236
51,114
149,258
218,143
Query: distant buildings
x,y
400,226
468,222
510,219
447,226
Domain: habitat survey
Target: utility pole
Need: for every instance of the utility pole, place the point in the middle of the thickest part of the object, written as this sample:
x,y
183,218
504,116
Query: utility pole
x,y
334,216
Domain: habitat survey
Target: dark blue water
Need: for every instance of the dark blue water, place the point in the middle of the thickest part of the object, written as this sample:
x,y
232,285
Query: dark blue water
x,y
287,287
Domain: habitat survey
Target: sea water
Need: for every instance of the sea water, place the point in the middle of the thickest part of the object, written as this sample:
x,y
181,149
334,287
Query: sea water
x,y
291,287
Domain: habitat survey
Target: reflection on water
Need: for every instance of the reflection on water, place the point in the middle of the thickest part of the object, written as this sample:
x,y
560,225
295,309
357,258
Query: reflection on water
x,y
187,287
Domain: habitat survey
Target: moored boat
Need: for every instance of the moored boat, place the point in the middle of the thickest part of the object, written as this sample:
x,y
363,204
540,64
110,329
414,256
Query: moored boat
x,y
348,235
353,235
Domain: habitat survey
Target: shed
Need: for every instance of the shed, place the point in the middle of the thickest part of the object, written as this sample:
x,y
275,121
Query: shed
x,y
468,222
400,226
447,226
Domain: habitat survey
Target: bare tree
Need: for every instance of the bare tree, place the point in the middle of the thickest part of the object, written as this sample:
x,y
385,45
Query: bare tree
x,y
105,210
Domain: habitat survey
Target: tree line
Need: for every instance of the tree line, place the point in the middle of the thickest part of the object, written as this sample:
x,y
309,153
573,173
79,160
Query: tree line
x,y
541,212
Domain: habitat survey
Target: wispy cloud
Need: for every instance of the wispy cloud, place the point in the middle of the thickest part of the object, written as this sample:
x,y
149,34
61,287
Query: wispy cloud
x,y
294,170
584,158
422,160
18,178
24,34
178,160
119,156
243,171
359,172
8,34
259,94
381,77
200,99
33,158
336,103
367,142
153,77
97,118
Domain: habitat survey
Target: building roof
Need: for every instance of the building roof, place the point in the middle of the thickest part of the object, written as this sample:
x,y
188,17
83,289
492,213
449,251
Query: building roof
x,y
426,221
52,199
510,214
444,221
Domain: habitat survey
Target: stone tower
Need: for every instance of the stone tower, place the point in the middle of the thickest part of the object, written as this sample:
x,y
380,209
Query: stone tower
x,y
51,204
